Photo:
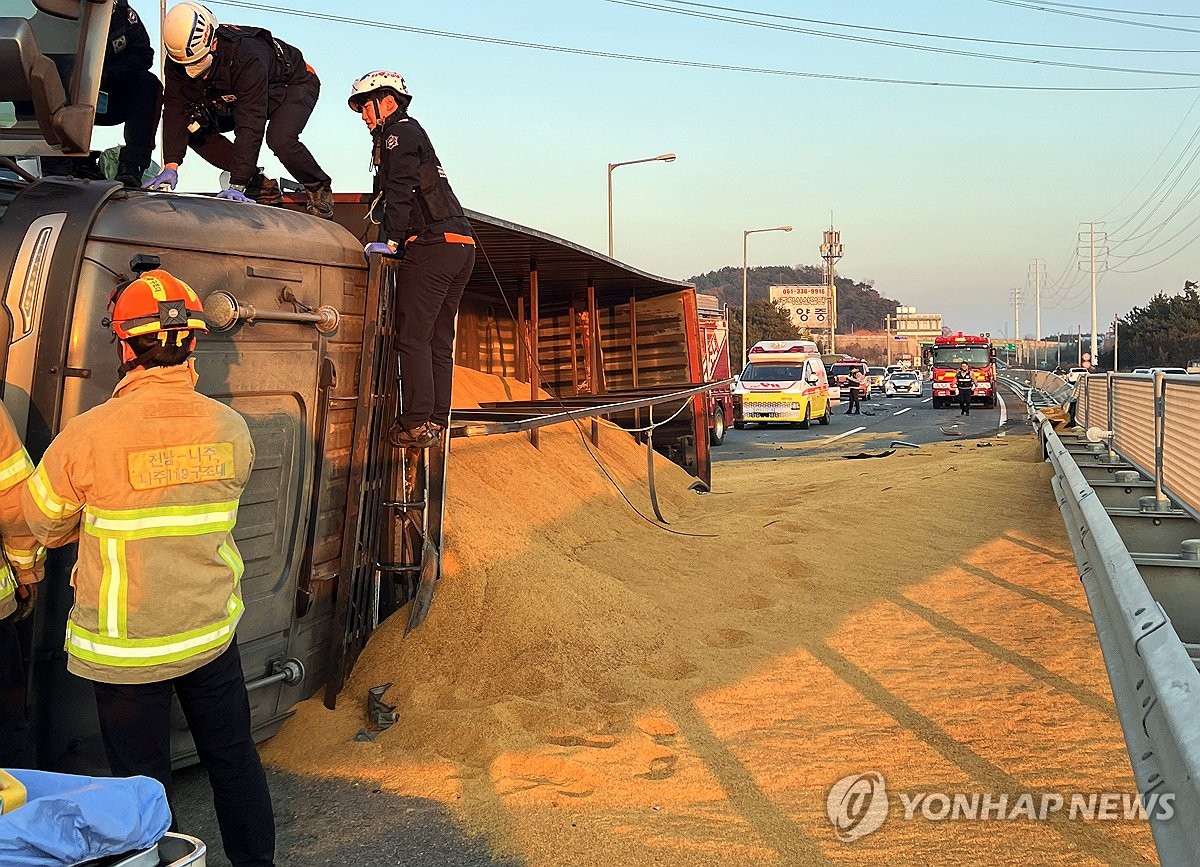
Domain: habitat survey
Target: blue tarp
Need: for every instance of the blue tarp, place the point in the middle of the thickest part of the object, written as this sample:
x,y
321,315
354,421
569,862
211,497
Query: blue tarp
x,y
68,819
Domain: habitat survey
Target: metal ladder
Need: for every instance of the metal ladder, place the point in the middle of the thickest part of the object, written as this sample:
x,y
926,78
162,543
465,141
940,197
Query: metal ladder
x,y
392,532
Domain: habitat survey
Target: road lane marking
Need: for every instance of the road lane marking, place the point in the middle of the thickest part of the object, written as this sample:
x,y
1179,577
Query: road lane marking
x,y
846,434
903,411
926,400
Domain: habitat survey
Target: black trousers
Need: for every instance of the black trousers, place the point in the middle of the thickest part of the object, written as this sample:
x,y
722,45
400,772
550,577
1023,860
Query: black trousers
x,y
137,102
135,724
964,402
854,401
429,286
16,746
284,126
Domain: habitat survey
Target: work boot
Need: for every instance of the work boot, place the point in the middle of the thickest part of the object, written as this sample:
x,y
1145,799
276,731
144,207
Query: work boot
x,y
420,437
130,174
320,200
264,190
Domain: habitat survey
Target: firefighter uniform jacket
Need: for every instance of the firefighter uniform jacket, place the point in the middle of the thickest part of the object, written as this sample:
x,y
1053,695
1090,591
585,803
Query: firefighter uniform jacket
x,y
129,48
419,205
149,484
250,73
23,556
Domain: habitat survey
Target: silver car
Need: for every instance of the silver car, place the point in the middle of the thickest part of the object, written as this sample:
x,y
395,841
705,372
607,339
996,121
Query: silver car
x,y
902,382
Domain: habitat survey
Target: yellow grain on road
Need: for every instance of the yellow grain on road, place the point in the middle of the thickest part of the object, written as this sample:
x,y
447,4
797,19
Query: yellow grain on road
x,y
591,690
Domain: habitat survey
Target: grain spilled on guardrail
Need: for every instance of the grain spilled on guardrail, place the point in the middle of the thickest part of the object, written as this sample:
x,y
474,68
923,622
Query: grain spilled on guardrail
x,y
591,690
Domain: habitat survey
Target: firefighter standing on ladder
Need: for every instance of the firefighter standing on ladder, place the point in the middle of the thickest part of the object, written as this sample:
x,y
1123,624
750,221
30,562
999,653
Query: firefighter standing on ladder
x,y
424,225
149,483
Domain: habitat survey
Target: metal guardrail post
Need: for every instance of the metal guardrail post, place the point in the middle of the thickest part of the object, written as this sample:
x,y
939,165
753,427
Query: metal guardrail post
x,y
1112,455
1160,430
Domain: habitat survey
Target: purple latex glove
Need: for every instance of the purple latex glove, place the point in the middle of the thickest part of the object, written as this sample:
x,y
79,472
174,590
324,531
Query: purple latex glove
x,y
234,195
384,249
166,180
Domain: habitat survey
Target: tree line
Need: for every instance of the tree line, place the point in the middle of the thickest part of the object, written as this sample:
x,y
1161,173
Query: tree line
x,y
1163,333
860,306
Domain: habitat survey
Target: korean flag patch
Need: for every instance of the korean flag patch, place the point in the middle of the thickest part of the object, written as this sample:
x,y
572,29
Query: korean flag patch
x,y
392,141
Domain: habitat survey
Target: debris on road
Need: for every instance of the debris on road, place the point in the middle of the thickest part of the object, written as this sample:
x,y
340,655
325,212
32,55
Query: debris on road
x,y
883,454
903,444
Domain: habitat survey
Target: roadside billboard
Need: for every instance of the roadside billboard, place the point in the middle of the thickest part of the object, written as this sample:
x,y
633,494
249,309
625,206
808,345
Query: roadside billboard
x,y
808,306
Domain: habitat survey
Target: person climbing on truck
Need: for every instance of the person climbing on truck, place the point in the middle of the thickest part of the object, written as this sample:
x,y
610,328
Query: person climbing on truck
x,y
148,483
130,94
423,224
222,78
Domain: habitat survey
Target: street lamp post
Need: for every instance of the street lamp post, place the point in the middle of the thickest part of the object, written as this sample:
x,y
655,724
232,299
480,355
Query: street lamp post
x,y
745,235
665,158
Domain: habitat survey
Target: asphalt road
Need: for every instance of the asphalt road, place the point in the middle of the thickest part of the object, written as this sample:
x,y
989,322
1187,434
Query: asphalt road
x,y
883,419
320,823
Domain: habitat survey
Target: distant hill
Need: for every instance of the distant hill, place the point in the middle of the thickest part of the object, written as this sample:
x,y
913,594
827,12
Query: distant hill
x,y
859,305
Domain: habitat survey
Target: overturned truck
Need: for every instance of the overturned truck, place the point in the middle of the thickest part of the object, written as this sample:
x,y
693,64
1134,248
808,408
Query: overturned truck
x,y
337,529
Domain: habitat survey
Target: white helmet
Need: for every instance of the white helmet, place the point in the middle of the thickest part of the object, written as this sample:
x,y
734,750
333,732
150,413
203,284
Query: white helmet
x,y
375,81
189,31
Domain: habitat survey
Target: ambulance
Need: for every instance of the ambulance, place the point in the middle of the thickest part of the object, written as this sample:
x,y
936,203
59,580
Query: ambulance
x,y
784,383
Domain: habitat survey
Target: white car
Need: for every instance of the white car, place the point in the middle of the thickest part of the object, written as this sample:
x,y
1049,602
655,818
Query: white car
x,y
1074,373
902,382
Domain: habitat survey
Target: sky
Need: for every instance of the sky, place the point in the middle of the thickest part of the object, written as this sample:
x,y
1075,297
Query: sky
x,y
943,195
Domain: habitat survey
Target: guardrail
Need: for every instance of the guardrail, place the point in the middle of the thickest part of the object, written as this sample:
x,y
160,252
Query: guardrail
x,y
1038,387
1155,422
1155,683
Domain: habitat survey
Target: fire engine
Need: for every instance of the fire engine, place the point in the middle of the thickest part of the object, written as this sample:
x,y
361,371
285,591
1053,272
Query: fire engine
x,y
949,352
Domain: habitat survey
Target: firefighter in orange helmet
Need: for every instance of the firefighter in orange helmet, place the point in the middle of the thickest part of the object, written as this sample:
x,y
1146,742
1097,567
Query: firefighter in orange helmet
x,y
149,483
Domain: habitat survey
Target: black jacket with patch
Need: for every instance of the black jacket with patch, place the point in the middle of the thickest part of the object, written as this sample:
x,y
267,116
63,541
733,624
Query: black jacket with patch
x,y
250,73
129,48
419,203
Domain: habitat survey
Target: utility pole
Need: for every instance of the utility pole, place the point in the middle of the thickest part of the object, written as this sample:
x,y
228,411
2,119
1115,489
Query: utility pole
x,y
1079,345
1016,300
831,252
887,325
1096,252
1116,329
1037,270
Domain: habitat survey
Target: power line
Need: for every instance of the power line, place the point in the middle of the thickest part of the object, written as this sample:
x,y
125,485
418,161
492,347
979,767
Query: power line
x,y
927,35
1038,7
1161,153
889,43
693,64
1118,11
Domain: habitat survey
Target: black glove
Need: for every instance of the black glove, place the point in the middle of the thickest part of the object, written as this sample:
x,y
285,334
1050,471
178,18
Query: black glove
x,y
26,598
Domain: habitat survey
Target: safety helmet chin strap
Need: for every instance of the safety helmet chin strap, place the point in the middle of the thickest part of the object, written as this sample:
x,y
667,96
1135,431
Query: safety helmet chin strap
x,y
132,361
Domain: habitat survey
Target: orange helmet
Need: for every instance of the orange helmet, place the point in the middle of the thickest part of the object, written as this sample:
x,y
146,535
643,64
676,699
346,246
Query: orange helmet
x,y
157,303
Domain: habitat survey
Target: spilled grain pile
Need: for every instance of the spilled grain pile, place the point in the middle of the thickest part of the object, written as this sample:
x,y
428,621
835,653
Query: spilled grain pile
x,y
589,689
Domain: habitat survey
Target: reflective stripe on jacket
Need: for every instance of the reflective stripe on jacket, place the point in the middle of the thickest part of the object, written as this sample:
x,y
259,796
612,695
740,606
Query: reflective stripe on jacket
x,y
148,483
23,556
